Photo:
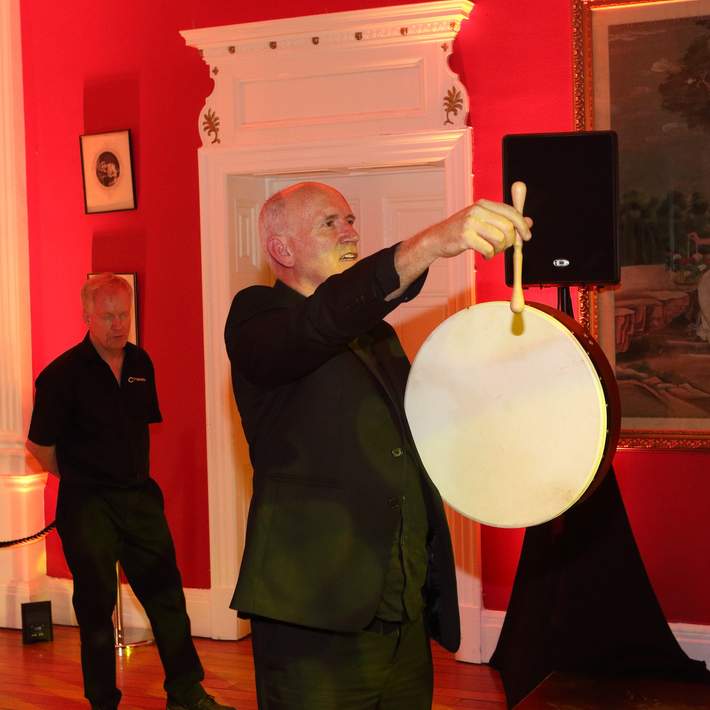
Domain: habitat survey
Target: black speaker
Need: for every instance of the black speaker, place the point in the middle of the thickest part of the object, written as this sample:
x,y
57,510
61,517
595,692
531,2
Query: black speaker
x,y
572,197
36,622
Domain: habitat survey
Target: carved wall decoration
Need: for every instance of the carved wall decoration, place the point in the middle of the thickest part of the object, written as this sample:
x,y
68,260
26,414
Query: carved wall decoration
x,y
210,125
453,103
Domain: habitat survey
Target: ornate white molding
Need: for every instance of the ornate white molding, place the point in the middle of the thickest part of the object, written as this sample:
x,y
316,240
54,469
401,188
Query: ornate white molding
x,y
363,72
401,24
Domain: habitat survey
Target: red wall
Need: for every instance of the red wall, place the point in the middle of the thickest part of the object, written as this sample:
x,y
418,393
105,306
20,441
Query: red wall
x,y
122,65
104,66
515,59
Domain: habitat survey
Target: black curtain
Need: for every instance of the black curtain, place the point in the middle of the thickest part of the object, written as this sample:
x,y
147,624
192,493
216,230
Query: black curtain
x,y
582,602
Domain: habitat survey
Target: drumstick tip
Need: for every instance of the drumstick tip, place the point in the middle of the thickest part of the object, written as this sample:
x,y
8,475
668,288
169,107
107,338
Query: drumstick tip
x,y
517,305
518,191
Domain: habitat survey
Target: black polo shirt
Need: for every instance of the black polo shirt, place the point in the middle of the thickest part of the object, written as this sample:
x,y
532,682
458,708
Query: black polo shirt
x,y
99,428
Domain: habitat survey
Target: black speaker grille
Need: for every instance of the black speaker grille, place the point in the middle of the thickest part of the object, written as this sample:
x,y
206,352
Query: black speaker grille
x,y
573,199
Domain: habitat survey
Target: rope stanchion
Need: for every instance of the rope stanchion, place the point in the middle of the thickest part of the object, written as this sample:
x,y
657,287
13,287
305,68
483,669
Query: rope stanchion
x,y
125,638
30,539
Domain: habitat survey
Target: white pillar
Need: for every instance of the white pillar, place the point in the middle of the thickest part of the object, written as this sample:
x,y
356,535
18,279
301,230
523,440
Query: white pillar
x,y
22,569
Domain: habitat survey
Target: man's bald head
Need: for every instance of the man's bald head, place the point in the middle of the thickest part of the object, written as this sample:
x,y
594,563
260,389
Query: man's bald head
x,y
307,232
283,212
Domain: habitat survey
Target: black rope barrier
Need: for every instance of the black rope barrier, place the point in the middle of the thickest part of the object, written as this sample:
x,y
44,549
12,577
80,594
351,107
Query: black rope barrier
x,y
30,538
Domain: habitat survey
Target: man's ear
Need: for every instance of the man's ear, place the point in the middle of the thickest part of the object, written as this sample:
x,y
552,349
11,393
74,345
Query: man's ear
x,y
280,251
85,317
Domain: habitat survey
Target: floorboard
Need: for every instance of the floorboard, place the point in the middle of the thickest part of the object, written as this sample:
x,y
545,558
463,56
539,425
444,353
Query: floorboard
x,y
47,676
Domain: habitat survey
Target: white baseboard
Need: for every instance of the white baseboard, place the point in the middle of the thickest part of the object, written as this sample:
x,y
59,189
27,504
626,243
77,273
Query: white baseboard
x,y
470,648
694,639
491,625
59,592
211,617
12,596
207,619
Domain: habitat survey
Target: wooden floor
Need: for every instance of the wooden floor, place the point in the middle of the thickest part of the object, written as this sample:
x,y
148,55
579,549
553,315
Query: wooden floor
x,y
47,676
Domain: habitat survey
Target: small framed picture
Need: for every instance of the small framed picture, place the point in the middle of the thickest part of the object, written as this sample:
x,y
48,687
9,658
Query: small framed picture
x,y
132,279
107,172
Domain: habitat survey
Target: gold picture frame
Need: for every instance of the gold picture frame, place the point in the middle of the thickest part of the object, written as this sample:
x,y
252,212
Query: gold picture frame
x,y
604,32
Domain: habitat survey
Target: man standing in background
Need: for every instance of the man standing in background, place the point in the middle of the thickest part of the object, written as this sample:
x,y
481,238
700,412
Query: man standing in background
x,y
89,427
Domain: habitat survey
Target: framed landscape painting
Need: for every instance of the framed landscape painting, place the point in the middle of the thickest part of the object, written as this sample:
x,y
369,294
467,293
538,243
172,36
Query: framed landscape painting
x,y
642,69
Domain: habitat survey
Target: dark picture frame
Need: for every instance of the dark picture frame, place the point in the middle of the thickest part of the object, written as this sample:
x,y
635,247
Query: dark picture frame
x,y
132,279
107,172
634,72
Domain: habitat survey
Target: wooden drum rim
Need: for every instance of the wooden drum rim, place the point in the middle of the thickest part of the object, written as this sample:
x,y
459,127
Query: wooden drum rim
x,y
517,420
607,378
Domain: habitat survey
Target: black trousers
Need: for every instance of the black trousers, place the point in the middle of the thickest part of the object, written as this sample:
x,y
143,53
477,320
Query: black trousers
x,y
98,527
299,668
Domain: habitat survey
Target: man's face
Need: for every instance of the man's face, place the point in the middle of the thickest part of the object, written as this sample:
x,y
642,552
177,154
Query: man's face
x,y
324,240
110,319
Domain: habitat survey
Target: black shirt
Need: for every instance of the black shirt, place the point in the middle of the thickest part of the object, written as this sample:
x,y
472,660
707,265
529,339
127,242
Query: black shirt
x,y
100,429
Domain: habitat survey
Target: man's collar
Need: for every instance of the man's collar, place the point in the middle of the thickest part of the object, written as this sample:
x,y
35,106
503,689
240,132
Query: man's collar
x,y
89,352
287,292
87,349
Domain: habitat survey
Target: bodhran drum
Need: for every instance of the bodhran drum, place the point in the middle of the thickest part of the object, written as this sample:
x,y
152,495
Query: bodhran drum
x,y
515,416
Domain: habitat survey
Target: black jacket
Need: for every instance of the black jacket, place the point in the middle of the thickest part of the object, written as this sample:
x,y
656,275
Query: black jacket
x,y
319,383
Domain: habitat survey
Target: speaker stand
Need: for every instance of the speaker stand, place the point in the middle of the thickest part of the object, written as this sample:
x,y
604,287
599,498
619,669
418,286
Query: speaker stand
x,y
582,601
564,301
126,638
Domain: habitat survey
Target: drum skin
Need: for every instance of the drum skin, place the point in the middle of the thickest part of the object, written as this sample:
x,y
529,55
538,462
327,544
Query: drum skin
x,y
515,417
